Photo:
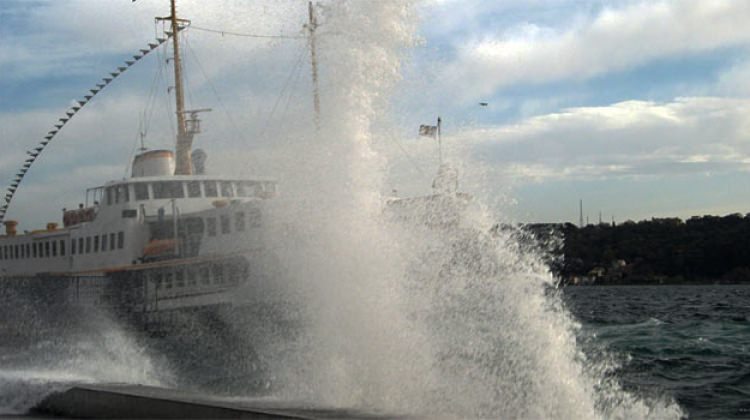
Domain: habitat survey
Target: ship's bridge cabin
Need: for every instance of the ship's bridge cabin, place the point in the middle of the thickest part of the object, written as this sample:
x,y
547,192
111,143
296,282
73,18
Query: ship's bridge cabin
x,y
192,193
152,190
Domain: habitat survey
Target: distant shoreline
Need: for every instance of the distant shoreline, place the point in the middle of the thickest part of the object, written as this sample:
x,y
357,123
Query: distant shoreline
x,y
669,251
565,285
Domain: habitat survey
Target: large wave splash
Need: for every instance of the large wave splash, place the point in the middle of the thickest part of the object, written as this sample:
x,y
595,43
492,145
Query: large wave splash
x,y
386,316
462,322
48,351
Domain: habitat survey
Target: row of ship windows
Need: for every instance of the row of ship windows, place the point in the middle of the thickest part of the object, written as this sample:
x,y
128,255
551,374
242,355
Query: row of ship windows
x,y
216,274
56,248
112,241
193,189
224,222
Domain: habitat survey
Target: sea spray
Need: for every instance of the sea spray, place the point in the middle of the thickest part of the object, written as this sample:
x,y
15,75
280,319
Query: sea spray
x,y
461,321
52,349
338,260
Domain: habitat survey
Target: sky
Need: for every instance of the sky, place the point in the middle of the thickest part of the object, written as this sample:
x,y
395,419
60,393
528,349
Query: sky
x,y
638,108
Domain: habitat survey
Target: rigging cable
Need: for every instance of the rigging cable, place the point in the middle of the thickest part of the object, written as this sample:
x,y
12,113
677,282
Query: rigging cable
x,y
186,77
172,124
282,93
223,33
216,92
151,104
35,152
407,155
296,78
144,124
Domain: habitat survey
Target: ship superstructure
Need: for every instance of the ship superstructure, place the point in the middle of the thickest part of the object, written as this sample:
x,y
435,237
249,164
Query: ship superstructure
x,y
168,237
139,220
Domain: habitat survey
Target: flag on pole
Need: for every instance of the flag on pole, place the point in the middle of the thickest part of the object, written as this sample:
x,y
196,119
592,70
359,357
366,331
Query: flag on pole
x,y
428,130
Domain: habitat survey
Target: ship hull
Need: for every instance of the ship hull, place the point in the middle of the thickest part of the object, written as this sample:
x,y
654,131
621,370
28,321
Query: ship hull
x,y
147,296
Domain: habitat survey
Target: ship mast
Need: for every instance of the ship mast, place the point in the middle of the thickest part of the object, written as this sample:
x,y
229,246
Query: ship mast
x,y
184,140
185,133
312,25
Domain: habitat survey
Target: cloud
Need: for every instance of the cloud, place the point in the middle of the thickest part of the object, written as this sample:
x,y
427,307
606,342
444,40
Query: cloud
x,y
54,38
625,139
631,138
735,80
615,39
251,79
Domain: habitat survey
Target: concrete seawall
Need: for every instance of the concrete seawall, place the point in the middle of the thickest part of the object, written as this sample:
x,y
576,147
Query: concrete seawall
x,y
115,401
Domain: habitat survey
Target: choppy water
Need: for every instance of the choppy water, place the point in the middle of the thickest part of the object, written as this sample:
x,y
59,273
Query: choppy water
x,y
689,342
684,343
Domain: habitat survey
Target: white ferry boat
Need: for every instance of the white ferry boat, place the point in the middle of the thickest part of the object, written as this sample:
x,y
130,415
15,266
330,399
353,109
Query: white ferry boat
x,y
443,209
166,238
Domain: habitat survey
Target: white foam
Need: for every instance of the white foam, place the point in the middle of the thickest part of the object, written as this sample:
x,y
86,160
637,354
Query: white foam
x,y
409,320
102,353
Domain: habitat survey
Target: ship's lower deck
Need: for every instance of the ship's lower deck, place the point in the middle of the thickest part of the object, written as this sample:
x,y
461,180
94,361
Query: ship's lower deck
x,y
145,295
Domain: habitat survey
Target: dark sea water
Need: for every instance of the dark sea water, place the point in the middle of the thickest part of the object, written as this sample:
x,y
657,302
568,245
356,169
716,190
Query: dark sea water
x,y
688,342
